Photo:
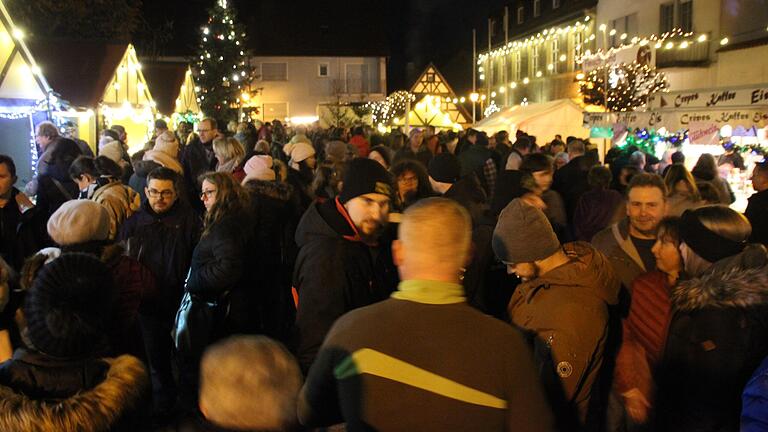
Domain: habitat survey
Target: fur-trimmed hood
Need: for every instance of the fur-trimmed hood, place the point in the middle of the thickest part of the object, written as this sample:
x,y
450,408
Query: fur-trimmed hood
x,y
277,190
740,281
96,409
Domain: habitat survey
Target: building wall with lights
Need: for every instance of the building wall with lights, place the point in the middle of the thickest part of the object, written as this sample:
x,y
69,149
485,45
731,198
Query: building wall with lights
x,y
714,45
537,62
296,87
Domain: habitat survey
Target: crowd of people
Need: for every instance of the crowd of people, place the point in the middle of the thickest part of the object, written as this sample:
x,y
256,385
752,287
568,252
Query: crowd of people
x,y
265,277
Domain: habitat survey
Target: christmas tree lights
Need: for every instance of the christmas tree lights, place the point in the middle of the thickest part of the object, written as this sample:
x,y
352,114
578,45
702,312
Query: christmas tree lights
x,y
222,69
623,87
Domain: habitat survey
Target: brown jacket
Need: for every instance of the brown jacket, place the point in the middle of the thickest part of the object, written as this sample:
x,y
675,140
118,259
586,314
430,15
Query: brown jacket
x,y
566,310
120,201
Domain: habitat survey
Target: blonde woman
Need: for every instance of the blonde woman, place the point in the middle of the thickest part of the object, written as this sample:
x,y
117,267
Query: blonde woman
x,y
229,154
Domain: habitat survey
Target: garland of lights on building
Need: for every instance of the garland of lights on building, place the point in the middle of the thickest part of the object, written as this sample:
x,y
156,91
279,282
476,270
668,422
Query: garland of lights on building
x,y
623,87
222,69
383,112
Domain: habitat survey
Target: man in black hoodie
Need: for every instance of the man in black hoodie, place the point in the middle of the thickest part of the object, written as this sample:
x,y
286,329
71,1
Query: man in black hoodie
x,y
344,262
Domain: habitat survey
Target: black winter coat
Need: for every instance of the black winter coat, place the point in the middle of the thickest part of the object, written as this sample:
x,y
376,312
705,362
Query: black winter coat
x,y
21,234
51,196
757,213
272,209
718,335
571,183
196,159
335,273
164,244
223,262
40,393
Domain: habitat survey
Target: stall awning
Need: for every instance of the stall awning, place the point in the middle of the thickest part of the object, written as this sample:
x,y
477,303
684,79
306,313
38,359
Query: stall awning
x,y
543,120
164,80
78,70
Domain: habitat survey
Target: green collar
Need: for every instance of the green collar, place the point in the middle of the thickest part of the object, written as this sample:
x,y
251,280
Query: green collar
x,y
430,292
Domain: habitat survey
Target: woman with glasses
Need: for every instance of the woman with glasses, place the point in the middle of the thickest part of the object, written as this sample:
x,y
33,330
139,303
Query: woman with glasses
x,y
412,182
221,271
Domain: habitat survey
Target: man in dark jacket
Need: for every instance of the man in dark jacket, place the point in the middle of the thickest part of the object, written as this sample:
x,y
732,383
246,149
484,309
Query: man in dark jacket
x,y
22,226
198,158
343,263
563,304
757,209
458,370
162,236
481,161
444,173
570,181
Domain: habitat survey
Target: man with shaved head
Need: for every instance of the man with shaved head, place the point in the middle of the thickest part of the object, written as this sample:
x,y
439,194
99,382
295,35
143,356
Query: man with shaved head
x,y
425,357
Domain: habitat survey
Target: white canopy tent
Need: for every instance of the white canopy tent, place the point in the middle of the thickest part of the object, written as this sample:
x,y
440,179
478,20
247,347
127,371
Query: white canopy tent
x,y
542,120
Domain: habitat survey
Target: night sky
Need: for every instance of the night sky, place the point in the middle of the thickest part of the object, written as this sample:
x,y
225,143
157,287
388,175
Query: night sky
x,y
412,33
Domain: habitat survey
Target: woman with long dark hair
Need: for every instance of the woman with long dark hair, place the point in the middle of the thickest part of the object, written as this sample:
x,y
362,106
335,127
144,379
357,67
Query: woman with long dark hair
x,y
412,182
220,274
220,261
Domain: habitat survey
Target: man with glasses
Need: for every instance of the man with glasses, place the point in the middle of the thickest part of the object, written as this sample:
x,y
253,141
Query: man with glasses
x,y
162,236
198,158
757,210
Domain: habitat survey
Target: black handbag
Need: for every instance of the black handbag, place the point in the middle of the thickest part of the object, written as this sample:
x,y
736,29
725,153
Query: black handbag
x,y
198,322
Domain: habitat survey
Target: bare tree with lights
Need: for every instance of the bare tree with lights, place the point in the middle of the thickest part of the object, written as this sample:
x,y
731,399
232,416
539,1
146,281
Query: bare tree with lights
x,y
222,68
626,86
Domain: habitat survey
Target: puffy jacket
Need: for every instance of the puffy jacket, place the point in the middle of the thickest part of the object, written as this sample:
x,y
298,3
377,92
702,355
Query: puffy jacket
x,y
39,393
566,312
223,262
717,338
335,272
120,201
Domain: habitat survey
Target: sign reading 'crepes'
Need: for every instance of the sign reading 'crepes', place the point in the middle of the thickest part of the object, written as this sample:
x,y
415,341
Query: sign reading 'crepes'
x,y
754,96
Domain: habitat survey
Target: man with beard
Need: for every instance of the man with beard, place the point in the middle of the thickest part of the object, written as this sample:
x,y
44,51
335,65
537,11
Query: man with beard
x,y
628,243
344,263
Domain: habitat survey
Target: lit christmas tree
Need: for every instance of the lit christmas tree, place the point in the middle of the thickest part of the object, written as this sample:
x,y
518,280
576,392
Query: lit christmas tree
x,y
222,69
628,86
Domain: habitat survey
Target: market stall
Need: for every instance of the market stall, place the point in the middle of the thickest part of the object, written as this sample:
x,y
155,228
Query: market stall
x,y
24,98
706,119
543,120
173,89
101,83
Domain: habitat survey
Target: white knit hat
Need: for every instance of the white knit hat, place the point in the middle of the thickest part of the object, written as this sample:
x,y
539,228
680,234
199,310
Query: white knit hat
x,y
79,221
112,150
301,151
168,144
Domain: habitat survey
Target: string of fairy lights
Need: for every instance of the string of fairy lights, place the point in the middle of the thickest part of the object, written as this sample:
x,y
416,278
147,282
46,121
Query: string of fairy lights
x,y
583,47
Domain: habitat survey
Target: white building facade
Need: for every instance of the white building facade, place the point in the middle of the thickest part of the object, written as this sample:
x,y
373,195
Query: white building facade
x,y
298,88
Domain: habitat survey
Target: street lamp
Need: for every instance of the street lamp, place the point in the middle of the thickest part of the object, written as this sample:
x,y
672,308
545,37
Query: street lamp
x,y
474,97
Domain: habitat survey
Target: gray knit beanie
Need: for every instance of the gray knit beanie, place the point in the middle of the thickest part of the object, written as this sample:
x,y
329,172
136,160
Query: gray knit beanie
x,y
523,234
